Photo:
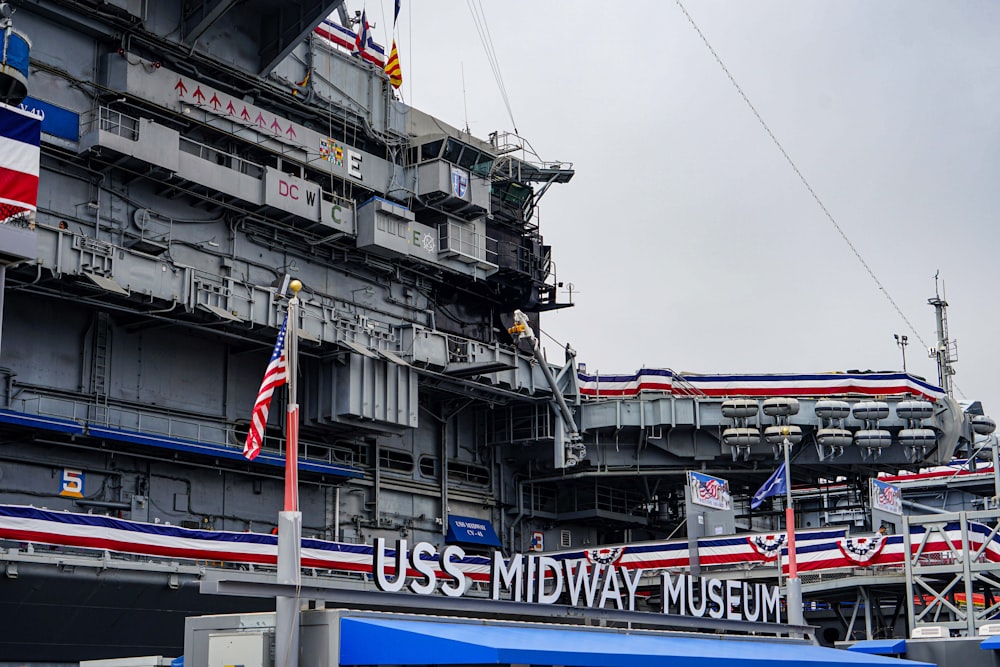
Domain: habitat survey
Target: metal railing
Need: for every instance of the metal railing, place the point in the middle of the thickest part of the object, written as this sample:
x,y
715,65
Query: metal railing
x,y
467,242
221,158
945,589
115,122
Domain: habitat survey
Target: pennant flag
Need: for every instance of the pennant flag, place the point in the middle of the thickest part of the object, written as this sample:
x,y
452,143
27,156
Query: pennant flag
x,y
275,376
20,136
303,83
393,69
774,486
395,14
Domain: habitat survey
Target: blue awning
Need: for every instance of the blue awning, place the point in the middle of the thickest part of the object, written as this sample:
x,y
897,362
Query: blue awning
x,y
37,421
175,443
879,646
469,530
374,641
991,643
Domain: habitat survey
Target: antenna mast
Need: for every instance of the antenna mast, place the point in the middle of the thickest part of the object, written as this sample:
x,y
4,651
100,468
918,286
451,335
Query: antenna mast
x,y
465,101
946,351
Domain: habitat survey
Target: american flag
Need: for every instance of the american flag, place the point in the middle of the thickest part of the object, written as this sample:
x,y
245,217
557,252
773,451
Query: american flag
x,y
711,490
275,376
887,495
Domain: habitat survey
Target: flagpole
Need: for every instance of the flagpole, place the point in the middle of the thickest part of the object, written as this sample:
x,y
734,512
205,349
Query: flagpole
x,y
793,585
286,642
292,422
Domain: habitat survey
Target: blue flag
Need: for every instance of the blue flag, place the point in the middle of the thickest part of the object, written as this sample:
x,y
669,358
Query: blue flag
x,y
774,486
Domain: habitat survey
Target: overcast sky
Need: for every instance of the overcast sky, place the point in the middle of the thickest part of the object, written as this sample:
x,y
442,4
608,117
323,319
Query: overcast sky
x,y
690,241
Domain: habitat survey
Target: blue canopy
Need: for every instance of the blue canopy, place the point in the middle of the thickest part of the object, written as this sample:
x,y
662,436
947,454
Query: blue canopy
x,y
879,646
469,530
373,641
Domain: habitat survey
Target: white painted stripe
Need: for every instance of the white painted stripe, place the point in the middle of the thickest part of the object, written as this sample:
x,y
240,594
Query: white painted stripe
x,y
23,112
19,156
12,202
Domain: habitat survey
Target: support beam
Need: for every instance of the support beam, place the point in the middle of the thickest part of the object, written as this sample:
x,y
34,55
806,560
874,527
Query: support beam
x,y
287,26
202,16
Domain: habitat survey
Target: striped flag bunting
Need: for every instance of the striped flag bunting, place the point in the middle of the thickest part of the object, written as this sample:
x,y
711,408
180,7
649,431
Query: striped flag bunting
x,y
20,137
648,380
816,550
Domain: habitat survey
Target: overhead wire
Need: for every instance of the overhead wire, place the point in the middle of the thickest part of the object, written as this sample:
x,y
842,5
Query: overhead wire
x,y
551,337
409,48
483,28
798,172
388,31
493,54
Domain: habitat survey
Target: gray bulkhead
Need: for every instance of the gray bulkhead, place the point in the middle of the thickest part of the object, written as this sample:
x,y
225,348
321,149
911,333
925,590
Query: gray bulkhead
x,y
165,230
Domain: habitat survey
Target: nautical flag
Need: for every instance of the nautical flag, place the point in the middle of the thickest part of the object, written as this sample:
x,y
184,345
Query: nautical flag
x,y
392,67
774,486
20,136
341,36
303,83
361,39
275,376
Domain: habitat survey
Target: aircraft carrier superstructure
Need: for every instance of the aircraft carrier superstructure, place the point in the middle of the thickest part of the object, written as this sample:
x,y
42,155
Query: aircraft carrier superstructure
x,y
195,157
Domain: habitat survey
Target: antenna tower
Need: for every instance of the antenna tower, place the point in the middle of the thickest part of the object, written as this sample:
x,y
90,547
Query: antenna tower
x,y
946,351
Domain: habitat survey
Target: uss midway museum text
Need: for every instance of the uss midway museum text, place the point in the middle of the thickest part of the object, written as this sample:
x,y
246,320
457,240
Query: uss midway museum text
x,y
544,580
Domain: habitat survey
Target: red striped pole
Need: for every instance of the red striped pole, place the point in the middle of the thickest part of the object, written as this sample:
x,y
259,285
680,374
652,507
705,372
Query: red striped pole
x,y
292,421
286,608
793,587
292,458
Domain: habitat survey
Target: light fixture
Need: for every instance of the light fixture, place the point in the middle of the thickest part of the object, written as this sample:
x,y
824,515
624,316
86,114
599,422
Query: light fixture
x,y
902,342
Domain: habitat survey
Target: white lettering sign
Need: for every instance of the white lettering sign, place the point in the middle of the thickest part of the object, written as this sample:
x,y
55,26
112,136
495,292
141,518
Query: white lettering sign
x,y
544,580
734,600
354,165
422,565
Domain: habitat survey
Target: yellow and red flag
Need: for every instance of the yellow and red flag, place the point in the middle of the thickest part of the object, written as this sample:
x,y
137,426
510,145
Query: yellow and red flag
x,y
392,67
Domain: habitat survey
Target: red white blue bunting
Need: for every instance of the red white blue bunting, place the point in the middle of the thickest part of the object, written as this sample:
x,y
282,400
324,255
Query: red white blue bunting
x,y
816,550
813,384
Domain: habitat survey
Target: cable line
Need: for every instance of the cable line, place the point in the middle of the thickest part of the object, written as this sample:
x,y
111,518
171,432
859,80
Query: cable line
x,y
482,27
809,188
